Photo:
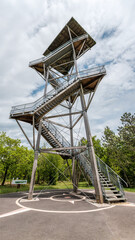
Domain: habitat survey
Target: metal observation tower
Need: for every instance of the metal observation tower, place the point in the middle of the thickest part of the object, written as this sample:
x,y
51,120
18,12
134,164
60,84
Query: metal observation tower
x,y
64,86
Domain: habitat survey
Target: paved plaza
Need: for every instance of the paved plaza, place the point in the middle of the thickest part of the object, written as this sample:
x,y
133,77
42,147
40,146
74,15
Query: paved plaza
x,y
59,214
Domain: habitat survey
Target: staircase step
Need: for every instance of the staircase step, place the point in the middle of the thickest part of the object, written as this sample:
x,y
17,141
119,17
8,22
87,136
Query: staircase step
x,y
107,182
111,191
107,185
116,199
113,188
112,194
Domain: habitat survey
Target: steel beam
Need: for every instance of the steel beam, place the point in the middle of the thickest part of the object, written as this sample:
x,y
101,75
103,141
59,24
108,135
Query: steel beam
x,y
65,148
46,76
91,97
77,120
74,53
72,145
24,133
56,153
55,123
62,115
81,48
97,185
33,132
30,195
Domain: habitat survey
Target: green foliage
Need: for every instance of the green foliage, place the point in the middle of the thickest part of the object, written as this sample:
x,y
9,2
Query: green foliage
x,y
15,160
120,149
48,165
99,150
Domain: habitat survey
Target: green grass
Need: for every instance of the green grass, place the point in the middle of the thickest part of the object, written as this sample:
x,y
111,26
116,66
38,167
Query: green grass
x,y
60,185
129,189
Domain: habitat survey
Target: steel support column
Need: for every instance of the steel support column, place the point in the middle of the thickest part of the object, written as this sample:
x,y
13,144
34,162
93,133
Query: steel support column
x,y
72,144
97,185
46,76
35,162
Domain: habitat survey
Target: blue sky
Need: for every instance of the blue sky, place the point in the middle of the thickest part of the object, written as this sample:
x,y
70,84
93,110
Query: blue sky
x,y
27,29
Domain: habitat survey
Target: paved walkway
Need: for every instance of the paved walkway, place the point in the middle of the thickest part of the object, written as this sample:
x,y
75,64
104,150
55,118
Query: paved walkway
x,y
61,215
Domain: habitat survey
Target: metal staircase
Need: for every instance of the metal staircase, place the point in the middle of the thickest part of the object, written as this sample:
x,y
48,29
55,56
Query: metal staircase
x,y
111,182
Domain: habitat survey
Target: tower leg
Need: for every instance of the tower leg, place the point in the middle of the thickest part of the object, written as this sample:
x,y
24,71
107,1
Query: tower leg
x,y
32,182
97,185
72,144
74,180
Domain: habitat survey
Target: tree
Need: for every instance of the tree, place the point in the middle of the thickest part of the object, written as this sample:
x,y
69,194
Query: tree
x,y
15,160
99,149
120,149
47,170
8,152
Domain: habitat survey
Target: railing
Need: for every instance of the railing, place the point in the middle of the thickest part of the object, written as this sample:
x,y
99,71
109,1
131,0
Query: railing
x,y
111,176
44,59
31,107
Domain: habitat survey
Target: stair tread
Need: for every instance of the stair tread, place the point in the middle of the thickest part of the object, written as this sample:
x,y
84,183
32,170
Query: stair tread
x,y
116,199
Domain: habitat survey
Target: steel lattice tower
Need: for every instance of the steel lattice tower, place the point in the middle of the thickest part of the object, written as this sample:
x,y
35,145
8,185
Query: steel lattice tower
x,y
59,69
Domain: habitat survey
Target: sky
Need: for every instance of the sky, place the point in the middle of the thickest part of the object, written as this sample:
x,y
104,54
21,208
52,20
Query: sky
x,y
27,28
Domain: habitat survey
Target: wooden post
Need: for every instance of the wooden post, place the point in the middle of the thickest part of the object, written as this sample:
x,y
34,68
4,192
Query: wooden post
x,y
35,162
72,144
97,185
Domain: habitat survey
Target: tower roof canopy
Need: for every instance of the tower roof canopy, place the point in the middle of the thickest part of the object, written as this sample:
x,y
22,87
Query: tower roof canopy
x,y
76,30
59,54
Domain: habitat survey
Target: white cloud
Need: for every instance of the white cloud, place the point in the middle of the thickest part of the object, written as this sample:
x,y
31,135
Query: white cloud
x,y
28,27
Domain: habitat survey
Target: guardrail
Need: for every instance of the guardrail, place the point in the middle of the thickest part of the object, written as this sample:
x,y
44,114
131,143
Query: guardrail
x,y
31,107
49,55
112,176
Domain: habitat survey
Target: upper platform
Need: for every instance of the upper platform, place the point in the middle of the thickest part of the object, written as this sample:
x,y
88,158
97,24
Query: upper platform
x,y
59,55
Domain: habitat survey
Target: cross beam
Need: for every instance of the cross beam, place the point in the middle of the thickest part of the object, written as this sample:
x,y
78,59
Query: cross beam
x,y
65,148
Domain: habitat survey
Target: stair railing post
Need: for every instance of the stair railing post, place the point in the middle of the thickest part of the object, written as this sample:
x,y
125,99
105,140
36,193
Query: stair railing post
x,y
120,187
99,165
107,173
92,157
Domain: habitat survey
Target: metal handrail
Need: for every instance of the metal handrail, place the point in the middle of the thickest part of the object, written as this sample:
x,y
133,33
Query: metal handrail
x,y
45,58
30,107
112,171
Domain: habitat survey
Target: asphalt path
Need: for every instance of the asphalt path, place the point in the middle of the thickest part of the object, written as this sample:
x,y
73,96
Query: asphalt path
x,y
60,215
